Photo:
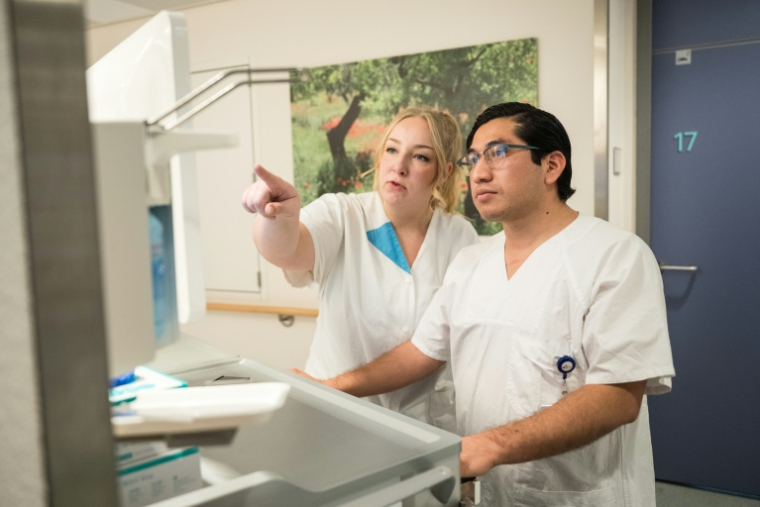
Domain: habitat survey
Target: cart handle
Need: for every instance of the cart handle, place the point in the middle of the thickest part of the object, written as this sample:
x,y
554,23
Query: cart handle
x,y
439,480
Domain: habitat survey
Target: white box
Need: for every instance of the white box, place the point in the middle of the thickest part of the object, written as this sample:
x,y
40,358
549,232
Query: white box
x,y
158,476
132,453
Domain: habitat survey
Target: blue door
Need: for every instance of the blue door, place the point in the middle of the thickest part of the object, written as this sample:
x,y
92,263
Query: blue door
x,y
705,212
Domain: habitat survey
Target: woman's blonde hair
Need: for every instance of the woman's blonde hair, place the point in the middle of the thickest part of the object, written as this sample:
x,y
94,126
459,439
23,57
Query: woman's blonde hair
x,y
447,145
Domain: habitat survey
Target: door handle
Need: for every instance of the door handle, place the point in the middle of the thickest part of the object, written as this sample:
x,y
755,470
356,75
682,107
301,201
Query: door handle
x,y
668,267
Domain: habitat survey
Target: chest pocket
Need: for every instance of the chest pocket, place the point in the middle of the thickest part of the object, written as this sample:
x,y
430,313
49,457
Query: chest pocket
x,y
533,380
526,497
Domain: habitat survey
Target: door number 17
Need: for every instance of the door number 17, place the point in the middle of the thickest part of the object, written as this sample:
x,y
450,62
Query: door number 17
x,y
681,135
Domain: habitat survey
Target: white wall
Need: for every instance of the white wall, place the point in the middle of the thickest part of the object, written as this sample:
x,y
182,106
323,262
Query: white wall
x,y
307,33
260,337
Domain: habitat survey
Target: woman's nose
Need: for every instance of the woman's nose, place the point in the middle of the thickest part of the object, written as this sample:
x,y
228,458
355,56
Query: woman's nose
x,y
401,165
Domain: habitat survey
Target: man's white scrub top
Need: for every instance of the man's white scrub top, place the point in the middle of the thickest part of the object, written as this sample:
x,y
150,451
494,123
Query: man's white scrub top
x,y
370,299
592,292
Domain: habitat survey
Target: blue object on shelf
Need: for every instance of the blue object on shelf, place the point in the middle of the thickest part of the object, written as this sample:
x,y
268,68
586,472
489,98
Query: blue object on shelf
x,y
121,380
158,271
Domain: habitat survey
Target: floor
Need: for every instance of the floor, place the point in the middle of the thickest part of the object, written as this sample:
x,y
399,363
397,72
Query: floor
x,y
671,495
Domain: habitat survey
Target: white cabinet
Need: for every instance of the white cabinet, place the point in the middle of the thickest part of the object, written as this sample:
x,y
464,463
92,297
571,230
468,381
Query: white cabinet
x,y
230,259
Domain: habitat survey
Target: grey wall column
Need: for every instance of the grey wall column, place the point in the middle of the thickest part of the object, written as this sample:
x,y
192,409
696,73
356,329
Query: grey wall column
x,y
57,244
22,464
601,109
643,116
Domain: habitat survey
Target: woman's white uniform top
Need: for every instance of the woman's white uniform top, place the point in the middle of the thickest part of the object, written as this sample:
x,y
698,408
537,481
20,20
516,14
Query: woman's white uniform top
x,y
591,292
370,299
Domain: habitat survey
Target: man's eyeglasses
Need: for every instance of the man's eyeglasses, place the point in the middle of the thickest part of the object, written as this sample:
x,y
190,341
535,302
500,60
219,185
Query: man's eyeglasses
x,y
495,155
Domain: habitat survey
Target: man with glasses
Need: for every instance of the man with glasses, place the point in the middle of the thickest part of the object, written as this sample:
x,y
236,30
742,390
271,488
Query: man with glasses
x,y
555,329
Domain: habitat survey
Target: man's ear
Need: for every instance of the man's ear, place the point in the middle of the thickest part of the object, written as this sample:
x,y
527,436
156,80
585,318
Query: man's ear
x,y
554,164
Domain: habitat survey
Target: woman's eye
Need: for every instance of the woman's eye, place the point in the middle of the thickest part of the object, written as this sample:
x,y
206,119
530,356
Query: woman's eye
x,y
422,158
390,150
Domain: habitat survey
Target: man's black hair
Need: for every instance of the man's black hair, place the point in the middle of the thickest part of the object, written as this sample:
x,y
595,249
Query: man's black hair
x,y
536,128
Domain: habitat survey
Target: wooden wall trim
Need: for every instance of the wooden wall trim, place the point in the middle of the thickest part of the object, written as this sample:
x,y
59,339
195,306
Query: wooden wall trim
x,y
272,310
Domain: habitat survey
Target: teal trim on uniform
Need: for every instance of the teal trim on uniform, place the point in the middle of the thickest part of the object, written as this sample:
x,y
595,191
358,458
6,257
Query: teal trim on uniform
x,y
384,238
155,462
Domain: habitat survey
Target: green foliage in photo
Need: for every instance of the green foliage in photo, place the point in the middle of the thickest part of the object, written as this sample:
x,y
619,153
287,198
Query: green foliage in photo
x,y
340,112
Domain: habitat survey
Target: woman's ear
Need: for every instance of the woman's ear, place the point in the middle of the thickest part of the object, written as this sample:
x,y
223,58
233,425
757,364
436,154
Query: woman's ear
x,y
443,176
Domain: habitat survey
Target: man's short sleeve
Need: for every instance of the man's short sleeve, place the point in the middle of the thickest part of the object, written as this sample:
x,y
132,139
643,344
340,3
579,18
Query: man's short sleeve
x,y
325,220
432,334
625,333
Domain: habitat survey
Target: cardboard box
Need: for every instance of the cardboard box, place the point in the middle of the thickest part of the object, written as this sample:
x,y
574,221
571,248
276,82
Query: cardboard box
x,y
148,473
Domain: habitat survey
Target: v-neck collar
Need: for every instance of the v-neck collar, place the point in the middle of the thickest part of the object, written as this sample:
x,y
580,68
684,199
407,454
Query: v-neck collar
x,y
557,237
423,246
385,239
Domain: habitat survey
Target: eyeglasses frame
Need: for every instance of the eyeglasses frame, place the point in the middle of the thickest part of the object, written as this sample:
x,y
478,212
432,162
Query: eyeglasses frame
x,y
467,165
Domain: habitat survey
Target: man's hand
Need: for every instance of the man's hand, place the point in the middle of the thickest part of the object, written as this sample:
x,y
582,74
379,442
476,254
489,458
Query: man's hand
x,y
328,382
477,457
271,196
393,370
304,374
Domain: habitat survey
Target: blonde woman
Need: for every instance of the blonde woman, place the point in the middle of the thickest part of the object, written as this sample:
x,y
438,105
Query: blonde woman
x,y
378,257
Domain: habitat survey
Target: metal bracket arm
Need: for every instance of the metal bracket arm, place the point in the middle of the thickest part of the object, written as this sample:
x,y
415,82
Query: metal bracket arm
x,y
154,123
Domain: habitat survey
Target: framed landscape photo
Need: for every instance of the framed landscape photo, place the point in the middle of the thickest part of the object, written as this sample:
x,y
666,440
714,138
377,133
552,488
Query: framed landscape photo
x,y
340,112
